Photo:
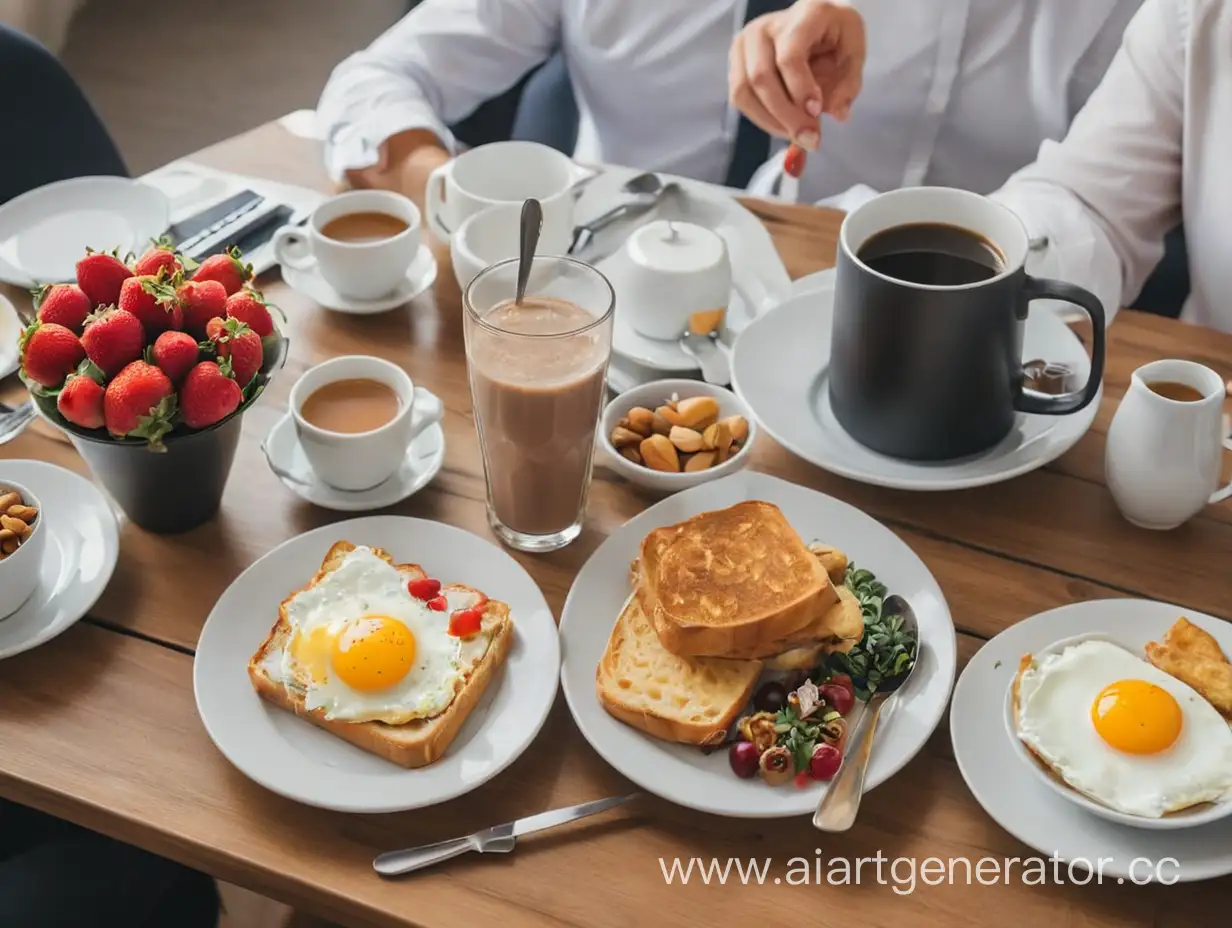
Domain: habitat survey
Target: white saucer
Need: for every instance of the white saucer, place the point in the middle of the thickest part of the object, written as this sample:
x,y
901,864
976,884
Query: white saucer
x,y
685,775
287,460
1012,793
82,547
45,231
295,759
780,365
419,277
10,332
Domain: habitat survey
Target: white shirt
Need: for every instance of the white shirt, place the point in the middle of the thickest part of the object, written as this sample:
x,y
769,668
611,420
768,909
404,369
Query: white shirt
x,y
1152,144
956,92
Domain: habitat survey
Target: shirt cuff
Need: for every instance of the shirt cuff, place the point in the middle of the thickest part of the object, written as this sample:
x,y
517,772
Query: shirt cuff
x,y
355,144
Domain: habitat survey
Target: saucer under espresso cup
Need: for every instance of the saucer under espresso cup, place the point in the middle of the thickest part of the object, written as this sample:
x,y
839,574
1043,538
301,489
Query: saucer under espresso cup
x,y
1165,446
362,243
340,393
931,296
492,235
677,271
504,172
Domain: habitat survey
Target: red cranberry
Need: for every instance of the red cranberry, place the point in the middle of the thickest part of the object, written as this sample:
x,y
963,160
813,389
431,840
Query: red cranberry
x,y
744,758
838,698
770,697
825,762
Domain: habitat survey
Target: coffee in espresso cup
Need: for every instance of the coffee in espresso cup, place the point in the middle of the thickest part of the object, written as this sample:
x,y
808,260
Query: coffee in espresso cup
x,y
362,242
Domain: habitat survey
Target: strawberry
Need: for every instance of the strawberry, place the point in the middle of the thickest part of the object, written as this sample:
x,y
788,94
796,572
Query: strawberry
x,y
162,255
66,304
248,306
240,344
100,276
81,401
227,268
49,353
208,396
153,300
202,301
113,338
175,353
139,403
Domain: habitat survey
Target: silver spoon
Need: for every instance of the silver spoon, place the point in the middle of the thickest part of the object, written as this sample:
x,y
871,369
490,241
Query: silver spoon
x,y
710,354
839,804
531,225
645,191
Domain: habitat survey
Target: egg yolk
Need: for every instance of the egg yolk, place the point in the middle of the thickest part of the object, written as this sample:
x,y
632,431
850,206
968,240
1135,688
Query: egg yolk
x,y
311,652
373,653
1137,717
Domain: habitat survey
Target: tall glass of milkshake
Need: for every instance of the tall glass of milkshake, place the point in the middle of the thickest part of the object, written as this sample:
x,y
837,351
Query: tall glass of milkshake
x,y
537,373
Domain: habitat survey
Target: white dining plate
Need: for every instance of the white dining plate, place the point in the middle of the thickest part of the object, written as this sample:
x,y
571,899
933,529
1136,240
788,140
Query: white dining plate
x,y
10,334
1004,783
780,367
83,544
687,776
295,759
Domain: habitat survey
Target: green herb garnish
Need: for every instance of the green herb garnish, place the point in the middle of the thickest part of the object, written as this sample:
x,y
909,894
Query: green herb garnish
x,y
797,735
887,649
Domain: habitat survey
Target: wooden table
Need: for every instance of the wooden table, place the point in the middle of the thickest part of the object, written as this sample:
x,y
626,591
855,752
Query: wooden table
x,y
100,727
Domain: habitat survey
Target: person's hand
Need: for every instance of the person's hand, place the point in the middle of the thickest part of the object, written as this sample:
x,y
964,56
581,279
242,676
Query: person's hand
x,y
406,161
788,68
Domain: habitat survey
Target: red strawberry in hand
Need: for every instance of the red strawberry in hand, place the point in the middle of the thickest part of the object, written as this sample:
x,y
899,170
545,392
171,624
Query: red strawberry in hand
x,y
249,307
202,301
240,344
81,401
175,353
162,255
139,403
112,339
64,304
227,268
152,300
208,396
100,276
49,353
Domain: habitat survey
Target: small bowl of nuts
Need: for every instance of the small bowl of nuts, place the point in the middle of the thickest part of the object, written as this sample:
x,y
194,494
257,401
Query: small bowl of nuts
x,y
21,545
671,435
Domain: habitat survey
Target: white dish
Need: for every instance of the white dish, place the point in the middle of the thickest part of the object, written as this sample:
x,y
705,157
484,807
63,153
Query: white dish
x,y
289,463
295,759
1034,813
1189,818
82,545
10,333
780,364
652,395
419,277
685,775
45,231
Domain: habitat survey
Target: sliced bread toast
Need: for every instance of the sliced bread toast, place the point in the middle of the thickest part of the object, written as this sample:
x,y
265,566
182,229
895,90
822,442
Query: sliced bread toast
x,y
689,700
417,743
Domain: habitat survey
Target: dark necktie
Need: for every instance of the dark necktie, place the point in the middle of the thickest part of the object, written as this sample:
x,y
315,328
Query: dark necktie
x,y
752,146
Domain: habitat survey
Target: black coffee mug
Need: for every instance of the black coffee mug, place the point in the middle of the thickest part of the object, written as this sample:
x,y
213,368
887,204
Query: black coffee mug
x,y
927,372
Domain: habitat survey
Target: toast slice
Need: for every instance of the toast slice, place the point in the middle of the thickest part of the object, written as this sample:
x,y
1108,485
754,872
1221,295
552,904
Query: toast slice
x,y
417,743
689,700
1193,656
731,582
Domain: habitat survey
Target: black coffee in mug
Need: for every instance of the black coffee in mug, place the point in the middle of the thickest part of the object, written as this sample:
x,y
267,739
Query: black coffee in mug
x,y
926,338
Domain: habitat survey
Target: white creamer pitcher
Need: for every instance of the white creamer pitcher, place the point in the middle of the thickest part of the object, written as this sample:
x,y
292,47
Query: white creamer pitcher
x,y
1164,456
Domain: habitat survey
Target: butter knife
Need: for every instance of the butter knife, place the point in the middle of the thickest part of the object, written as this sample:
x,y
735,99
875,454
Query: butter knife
x,y
498,839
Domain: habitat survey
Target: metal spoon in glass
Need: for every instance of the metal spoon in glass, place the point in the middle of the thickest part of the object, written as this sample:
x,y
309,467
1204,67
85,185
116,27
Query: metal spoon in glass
x,y
840,803
531,225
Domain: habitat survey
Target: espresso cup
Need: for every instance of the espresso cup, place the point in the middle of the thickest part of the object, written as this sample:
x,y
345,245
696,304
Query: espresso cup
x,y
357,270
504,172
1164,456
675,270
362,460
927,371
492,235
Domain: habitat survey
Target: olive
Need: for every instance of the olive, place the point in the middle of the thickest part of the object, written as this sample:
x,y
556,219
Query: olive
x,y
837,697
770,697
745,759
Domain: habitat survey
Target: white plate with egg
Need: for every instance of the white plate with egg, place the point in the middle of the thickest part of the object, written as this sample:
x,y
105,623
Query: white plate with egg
x,y
1173,756
295,759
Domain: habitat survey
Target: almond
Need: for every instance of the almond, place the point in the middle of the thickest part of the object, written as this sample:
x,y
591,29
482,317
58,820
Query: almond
x,y
659,453
659,425
739,427
708,437
631,454
9,545
697,412
624,438
639,419
16,526
6,534
670,414
27,514
11,498
685,440
700,461
722,442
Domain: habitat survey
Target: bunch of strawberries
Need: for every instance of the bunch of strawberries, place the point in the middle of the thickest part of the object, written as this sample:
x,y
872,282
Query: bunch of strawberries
x,y
142,349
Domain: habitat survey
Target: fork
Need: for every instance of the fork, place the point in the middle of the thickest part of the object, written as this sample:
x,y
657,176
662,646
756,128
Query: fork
x,y
14,421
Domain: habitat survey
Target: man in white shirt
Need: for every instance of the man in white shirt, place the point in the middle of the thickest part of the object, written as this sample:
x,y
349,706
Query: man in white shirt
x,y
954,91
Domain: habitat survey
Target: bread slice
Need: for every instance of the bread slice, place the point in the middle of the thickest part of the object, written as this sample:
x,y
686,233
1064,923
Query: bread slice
x,y
731,583
417,743
1193,656
689,700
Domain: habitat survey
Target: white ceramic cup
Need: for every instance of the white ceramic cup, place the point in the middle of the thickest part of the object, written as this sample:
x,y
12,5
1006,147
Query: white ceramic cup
x,y
356,270
503,172
675,269
20,571
492,235
362,460
1164,457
